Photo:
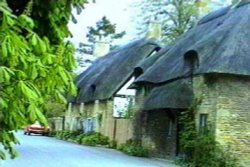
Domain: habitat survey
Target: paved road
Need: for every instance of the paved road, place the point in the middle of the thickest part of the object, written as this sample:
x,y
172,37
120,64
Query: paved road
x,y
40,151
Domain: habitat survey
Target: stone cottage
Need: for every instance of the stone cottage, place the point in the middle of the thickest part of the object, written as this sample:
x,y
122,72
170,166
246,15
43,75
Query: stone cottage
x,y
210,62
104,85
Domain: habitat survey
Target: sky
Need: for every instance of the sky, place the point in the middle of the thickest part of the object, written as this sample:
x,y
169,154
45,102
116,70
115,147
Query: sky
x,y
118,11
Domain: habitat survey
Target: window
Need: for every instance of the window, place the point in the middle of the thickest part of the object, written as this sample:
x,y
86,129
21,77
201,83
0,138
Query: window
x,y
203,123
90,125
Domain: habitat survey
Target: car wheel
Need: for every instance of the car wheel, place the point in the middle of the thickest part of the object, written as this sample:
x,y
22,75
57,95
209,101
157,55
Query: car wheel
x,y
25,133
29,133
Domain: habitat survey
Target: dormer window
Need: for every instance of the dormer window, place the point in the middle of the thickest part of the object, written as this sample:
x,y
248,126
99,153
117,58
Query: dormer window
x,y
190,62
137,72
154,51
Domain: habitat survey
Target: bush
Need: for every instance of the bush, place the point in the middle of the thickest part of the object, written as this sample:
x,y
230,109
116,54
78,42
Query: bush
x,y
134,148
52,133
206,153
67,135
91,139
78,138
113,144
62,135
94,139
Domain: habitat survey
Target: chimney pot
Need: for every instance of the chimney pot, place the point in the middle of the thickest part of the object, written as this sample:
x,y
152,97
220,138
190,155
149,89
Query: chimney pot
x,y
101,48
154,30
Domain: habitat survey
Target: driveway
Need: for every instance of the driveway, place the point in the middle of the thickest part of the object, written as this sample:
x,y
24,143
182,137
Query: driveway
x,y
41,151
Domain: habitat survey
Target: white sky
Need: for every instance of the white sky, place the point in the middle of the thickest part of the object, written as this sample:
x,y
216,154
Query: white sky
x,y
118,11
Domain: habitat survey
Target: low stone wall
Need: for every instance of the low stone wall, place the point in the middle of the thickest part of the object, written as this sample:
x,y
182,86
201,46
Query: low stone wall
x,y
116,129
123,130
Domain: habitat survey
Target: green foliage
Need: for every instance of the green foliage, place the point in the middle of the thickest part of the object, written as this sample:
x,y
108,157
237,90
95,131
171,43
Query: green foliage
x,y
127,110
66,134
104,28
208,153
131,147
94,139
52,133
35,62
189,131
113,144
130,108
134,148
201,150
78,139
54,109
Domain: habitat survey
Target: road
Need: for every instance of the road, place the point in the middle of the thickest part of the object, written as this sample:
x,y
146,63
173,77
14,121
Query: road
x,y
41,151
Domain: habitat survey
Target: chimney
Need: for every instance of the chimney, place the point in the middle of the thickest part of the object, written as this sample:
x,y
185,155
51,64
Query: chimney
x,y
154,30
101,48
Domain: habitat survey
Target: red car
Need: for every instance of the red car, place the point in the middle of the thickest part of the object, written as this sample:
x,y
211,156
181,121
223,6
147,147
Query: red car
x,y
36,128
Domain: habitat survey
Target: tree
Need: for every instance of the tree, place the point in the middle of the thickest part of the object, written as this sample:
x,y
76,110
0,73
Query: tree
x,y
103,29
35,62
176,16
54,109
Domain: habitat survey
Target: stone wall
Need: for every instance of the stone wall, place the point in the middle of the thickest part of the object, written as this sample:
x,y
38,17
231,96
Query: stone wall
x,y
226,99
124,130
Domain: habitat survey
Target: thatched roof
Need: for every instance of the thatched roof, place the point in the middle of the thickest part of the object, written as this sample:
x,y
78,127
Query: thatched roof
x,y
109,73
175,95
148,62
221,42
